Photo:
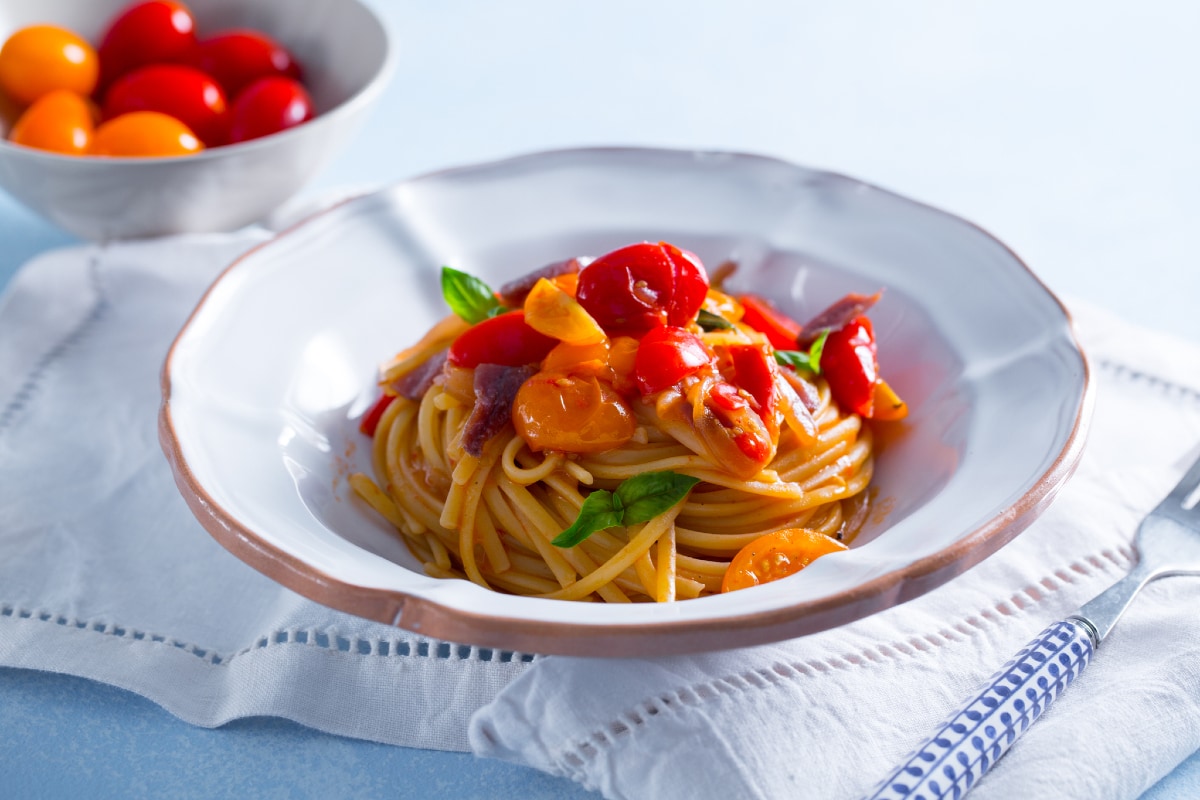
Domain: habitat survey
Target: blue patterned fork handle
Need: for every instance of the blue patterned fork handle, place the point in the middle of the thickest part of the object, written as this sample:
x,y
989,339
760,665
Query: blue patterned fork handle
x,y
953,760
950,761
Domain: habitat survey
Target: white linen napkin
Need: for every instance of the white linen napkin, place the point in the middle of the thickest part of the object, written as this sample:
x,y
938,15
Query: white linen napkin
x,y
827,716
105,574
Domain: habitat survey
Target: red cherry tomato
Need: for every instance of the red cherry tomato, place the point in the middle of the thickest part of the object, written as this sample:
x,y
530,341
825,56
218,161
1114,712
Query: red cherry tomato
x,y
756,374
182,92
849,364
237,58
642,286
505,339
667,355
733,410
267,106
759,314
153,32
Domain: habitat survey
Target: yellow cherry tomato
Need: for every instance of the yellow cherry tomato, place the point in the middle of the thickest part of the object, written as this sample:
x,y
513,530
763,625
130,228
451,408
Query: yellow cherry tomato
x,y
550,310
59,121
572,414
41,58
776,555
145,134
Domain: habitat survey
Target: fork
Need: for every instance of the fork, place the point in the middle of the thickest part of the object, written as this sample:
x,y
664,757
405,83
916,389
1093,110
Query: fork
x,y
957,755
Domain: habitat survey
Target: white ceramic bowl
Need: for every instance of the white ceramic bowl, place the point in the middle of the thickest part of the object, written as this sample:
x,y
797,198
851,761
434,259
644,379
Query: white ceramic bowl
x,y
264,385
347,59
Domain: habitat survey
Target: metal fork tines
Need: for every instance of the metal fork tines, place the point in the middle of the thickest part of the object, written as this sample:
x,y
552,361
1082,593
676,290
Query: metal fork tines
x,y
1167,543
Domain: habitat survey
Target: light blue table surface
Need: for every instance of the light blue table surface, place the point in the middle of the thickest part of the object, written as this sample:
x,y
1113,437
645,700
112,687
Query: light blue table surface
x,y
1066,129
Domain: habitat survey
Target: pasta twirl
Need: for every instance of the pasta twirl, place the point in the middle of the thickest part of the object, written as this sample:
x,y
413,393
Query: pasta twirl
x,y
614,458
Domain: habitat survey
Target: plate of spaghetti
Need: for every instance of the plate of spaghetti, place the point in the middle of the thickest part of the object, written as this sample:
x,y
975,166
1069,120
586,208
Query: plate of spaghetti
x,y
623,401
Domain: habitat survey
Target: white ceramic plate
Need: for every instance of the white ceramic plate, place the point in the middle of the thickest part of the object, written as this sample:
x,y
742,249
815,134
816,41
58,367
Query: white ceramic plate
x,y
264,384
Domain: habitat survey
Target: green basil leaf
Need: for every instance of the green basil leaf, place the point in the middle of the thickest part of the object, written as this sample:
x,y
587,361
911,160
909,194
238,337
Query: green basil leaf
x,y
796,359
467,296
815,350
598,513
799,359
712,322
646,496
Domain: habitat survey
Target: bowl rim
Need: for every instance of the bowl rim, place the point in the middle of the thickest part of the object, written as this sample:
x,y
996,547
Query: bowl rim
x,y
364,96
429,617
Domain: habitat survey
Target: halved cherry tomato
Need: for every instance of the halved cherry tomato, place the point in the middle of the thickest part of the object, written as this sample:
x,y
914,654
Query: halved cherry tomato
x,y
849,364
42,58
888,405
182,92
555,313
153,32
755,372
667,355
776,555
642,286
145,134
732,410
59,121
237,58
571,414
504,340
370,420
781,331
267,106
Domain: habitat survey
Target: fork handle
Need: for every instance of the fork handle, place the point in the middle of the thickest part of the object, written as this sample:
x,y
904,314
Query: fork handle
x,y
954,758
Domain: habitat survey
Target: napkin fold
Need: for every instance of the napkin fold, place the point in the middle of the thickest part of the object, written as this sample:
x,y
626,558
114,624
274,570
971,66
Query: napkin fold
x,y
105,574
828,715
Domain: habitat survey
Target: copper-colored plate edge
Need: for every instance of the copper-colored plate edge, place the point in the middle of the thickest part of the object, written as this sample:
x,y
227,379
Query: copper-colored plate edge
x,y
621,640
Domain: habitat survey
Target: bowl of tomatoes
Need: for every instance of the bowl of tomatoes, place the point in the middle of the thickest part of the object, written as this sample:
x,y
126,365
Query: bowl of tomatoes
x,y
133,118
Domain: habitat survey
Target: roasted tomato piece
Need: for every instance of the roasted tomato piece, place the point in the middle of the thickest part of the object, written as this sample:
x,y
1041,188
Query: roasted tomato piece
x,y
776,555
667,355
849,364
571,413
642,286
504,340
781,331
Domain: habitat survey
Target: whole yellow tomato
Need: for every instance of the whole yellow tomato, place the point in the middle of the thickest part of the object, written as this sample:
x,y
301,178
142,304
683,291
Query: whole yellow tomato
x,y
145,134
41,58
59,121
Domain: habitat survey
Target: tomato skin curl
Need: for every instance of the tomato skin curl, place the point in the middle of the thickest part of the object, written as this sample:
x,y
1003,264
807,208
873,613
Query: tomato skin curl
x,y
781,331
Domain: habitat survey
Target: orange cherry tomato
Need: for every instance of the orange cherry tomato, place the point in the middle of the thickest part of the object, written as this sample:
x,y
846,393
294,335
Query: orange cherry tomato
x,y
59,121
145,134
42,58
571,413
776,555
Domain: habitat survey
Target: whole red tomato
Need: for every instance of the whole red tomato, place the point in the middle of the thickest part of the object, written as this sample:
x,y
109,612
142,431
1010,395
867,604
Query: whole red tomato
x,y
152,32
182,92
642,286
267,106
237,58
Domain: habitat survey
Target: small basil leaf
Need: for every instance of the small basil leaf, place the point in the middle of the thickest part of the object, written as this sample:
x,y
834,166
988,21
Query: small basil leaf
x,y
597,514
795,359
712,322
799,359
467,296
815,350
647,495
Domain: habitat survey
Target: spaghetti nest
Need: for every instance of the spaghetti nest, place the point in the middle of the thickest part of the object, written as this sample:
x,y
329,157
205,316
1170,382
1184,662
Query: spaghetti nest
x,y
491,518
